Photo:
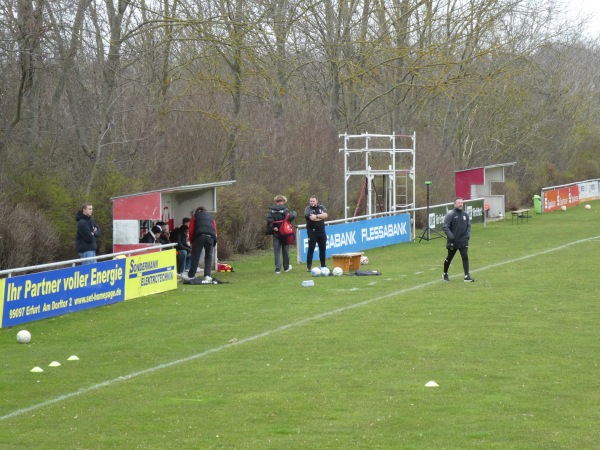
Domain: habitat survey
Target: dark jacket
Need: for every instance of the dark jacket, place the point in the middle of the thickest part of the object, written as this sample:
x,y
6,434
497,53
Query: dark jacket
x,y
174,236
203,223
314,227
457,227
181,239
148,238
151,236
278,212
85,238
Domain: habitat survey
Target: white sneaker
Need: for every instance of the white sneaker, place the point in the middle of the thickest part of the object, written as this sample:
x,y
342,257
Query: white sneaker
x,y
207,279
186,277
289,268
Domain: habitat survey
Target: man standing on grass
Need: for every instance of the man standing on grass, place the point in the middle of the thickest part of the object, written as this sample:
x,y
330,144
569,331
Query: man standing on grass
x,y
457,227
203,234
315,215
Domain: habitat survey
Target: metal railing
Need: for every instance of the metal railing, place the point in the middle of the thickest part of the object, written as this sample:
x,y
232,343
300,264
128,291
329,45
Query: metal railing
x,y
8,273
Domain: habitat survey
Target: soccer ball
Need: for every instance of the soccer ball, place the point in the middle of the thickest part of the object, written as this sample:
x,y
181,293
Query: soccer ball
x,y
364,259
23,337
337,271
563,207
325,272
315,272
588,206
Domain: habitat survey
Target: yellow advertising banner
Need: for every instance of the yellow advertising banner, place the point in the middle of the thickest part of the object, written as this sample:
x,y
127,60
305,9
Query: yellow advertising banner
x,y
150,273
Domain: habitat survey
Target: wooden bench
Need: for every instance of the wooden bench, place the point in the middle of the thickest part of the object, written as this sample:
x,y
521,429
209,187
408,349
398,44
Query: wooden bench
x,y
520,214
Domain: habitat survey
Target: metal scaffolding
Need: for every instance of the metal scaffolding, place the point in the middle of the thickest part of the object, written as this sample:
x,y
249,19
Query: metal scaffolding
x,y
387,165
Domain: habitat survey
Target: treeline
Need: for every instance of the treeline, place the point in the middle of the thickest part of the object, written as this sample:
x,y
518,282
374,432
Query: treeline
x,y
100,99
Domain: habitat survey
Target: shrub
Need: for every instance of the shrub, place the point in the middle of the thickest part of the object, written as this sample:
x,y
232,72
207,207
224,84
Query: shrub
x,y
27,237
241,219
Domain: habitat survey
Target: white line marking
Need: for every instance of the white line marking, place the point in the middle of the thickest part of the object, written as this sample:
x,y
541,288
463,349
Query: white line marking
x,y
299,323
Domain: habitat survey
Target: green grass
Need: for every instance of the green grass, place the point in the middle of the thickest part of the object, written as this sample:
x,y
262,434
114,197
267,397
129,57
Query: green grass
x,y
263,363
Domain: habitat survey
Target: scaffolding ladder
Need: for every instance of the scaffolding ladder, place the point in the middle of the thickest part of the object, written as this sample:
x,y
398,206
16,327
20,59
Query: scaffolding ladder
x,y
389,159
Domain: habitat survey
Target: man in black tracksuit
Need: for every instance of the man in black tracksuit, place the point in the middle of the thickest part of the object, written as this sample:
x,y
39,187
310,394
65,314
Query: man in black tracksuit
x,y
457,227
203,235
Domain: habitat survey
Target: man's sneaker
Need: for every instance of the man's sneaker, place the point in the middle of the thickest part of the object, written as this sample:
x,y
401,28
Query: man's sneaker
x,y
207,279
308,269
468,279
277,272
186,277
445,277
289,268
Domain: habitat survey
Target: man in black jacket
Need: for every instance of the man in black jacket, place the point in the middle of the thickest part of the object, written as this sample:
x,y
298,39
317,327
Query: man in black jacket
x,y
203,235
315,215
181,237
87,233
457,227
184,250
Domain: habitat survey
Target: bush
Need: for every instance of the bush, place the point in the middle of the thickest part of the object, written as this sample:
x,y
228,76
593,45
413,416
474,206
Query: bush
x,y
241,219
26,237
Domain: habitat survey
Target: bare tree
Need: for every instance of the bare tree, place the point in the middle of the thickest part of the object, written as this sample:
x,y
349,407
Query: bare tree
x,y
30,31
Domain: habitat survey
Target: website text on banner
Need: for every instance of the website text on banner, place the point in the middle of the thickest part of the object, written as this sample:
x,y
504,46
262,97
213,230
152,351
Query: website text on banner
x,y
42,295
361,235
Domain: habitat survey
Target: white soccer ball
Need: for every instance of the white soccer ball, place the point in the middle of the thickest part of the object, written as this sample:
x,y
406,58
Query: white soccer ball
x,y
588,206
337,271
315,272
23,337
325,272
364,259
563,207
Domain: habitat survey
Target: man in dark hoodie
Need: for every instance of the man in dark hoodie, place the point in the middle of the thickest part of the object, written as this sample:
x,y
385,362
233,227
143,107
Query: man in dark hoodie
x,y
278,212
87,233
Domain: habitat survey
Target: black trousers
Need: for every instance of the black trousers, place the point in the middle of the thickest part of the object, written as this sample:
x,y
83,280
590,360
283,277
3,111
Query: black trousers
x,y
464,254
313,240
203,242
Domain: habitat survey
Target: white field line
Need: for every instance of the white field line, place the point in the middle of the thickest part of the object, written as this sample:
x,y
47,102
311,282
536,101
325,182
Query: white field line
x,y
299,323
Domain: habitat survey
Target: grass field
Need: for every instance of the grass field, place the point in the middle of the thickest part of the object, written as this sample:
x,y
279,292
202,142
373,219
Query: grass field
x,y
263,363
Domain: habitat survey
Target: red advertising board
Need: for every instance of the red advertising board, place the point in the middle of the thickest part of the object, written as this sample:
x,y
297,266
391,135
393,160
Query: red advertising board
x,y
565,196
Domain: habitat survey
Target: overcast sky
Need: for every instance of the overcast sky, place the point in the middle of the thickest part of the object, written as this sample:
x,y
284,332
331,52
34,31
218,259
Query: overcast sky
x,y
588,7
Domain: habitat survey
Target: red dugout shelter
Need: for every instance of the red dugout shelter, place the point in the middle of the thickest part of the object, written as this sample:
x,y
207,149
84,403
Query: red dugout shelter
x,y
477,183
134,214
